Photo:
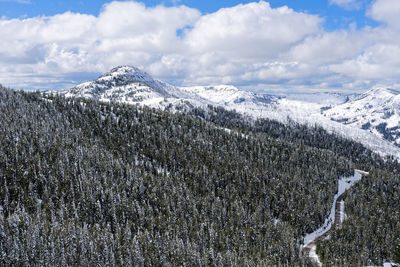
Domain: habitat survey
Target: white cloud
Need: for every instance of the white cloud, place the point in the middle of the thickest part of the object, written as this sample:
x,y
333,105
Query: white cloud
x,y
373,64
225,45
252,45
387,11
328,48
254,29
347,4
123,33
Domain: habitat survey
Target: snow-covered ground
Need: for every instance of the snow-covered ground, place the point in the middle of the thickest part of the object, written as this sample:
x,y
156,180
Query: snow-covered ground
x,y
313,255
377,111
344,184
342,214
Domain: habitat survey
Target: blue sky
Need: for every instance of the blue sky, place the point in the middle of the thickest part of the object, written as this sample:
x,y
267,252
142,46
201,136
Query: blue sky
x,y
273,46
335,16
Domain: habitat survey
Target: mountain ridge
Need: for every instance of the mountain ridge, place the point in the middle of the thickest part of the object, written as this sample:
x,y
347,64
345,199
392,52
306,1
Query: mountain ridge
x,y
376,111
336,113
129,84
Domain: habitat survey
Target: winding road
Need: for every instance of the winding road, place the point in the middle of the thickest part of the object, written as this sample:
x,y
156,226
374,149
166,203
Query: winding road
x,y
335,216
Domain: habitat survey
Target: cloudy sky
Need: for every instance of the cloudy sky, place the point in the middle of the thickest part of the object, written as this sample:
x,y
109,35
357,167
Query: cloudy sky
x,y
279,45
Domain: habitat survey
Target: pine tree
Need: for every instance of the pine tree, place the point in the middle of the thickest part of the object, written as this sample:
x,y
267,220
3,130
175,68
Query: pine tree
x,y
397,254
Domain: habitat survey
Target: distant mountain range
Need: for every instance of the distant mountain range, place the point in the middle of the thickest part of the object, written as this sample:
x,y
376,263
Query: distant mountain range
x,y
376,110
371,118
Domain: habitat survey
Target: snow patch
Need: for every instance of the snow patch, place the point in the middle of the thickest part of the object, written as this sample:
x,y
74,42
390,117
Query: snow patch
x,y
342,214
314,256
344,184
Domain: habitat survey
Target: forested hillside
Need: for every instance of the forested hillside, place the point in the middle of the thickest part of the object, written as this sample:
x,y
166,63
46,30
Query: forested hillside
x,y
91,183
294,132
371,231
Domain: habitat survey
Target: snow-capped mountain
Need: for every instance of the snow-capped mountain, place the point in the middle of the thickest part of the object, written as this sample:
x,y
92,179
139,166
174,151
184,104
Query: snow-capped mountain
x,y
228,95
365,118
130,85
377,110
126,84
327,99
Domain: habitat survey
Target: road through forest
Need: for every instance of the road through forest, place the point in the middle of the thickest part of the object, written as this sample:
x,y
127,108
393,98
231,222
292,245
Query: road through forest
x,y
334,218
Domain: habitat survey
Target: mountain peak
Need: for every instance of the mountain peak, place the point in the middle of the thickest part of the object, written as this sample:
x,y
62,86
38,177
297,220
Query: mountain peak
x,y
126,68
123,83
127,74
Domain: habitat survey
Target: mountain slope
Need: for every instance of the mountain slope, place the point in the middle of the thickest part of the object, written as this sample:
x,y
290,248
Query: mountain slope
x,y
125,84
377,111
372,210
130,85
228,95
93,183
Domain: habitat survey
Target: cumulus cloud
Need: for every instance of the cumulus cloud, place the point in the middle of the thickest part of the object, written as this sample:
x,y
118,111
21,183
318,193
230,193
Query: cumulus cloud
x,y
123,33
252,30
252,45
386,11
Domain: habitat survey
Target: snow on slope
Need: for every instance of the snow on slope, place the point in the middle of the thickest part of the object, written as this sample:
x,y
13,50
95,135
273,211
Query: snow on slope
x,y
228,95
344,184
122,84
130,85
324,98
377,111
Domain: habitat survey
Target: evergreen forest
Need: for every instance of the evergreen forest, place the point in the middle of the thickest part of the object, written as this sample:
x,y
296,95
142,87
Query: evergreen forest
x,y
88,183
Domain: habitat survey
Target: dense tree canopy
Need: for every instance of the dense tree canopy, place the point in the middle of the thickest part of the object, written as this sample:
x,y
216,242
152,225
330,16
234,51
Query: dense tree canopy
x,y
86,183
372,229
